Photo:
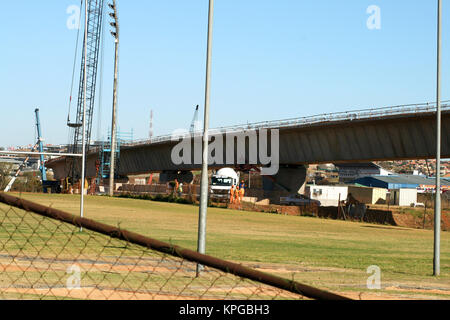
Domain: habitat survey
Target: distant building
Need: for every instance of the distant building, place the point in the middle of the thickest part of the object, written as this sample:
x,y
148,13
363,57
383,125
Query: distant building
x,y
351,171
368,195
15,164
56,148
396,182
327,195
403,197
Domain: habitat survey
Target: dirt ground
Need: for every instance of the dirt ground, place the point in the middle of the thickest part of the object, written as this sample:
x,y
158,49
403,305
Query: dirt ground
x,y
389,291
38,279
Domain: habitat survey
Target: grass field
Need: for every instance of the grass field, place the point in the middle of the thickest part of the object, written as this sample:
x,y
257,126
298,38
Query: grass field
x,y
329,254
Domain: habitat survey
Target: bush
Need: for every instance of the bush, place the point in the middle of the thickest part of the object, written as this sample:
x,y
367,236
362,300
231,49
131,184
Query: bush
x,y
5,170
157,198
28,182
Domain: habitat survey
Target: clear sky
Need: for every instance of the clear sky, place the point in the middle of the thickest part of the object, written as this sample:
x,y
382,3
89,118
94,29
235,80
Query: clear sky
x,y
272,59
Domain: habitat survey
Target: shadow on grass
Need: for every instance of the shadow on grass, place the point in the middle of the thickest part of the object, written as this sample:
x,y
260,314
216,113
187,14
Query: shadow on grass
x,y
389,228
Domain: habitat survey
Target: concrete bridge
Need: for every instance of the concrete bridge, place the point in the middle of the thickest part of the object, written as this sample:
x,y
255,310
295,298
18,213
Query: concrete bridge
x,y
393,133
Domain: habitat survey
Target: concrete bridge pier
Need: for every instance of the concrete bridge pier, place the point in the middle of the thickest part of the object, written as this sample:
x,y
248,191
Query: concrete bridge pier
x,y
290,178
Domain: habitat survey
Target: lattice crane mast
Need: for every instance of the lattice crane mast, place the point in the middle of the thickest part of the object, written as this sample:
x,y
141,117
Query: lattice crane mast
x,y
91,46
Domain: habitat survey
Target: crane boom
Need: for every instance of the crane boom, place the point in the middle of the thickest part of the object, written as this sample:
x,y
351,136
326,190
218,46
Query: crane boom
x,y
195,123
91,45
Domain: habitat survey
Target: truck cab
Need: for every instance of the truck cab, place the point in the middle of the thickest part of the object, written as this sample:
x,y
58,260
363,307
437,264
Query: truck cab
x,y
221,183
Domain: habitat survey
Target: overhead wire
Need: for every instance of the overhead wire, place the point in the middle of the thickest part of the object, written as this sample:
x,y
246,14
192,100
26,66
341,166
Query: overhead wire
x,y
75,62
71,132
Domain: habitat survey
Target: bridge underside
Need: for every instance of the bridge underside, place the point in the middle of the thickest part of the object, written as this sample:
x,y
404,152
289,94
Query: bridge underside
x,y
400,137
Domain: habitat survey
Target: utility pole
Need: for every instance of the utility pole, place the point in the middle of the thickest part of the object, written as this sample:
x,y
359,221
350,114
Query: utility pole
x,y
115,34
205,182
437,207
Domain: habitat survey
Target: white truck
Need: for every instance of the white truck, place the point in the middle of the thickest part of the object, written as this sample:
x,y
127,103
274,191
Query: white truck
x,y
221,183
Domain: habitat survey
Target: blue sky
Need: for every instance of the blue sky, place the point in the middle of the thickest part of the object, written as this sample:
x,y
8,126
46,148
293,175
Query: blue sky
x,y
272,59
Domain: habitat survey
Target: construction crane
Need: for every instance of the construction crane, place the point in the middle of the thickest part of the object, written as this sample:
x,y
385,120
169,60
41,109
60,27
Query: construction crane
x,y
38,146
195,122
41,146
90,58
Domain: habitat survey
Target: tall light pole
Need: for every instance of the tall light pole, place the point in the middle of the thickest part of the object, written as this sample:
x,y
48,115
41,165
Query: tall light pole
x,y
437,206
115,33
205,182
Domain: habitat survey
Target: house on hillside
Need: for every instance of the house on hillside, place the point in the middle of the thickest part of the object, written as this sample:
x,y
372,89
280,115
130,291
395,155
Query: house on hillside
x,y
351,171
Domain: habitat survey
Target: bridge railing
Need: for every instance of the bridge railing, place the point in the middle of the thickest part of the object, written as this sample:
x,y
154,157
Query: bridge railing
x,y
311,120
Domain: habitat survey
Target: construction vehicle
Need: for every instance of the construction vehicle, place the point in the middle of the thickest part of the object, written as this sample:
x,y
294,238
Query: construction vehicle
x,y
221,183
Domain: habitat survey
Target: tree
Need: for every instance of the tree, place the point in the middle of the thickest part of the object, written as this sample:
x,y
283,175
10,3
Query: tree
x,y
28,182
5,175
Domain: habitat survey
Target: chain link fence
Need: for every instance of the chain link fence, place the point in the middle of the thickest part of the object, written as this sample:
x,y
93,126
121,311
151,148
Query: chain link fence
x,y
44,255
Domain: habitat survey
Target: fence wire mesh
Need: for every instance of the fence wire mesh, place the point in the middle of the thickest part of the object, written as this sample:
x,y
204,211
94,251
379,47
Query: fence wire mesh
x,y
45,258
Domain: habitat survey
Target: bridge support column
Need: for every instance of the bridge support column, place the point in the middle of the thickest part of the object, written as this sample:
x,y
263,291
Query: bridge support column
x,y
290,178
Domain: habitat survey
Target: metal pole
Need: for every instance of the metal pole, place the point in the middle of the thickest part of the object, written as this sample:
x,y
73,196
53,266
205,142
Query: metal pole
x,y
83,158
113,125
437,207
205,182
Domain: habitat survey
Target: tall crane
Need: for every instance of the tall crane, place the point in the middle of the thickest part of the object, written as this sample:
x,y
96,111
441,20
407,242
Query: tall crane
x,y
41,146
91,45
195,122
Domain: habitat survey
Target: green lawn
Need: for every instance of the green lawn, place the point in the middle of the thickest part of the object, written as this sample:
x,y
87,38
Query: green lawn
x,y
329,254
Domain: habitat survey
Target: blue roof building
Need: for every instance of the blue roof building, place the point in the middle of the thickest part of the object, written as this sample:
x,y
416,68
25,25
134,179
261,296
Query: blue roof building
x,y
399,182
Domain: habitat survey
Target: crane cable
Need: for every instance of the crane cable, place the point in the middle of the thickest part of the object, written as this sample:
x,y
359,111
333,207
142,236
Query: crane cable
x,y
75,62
